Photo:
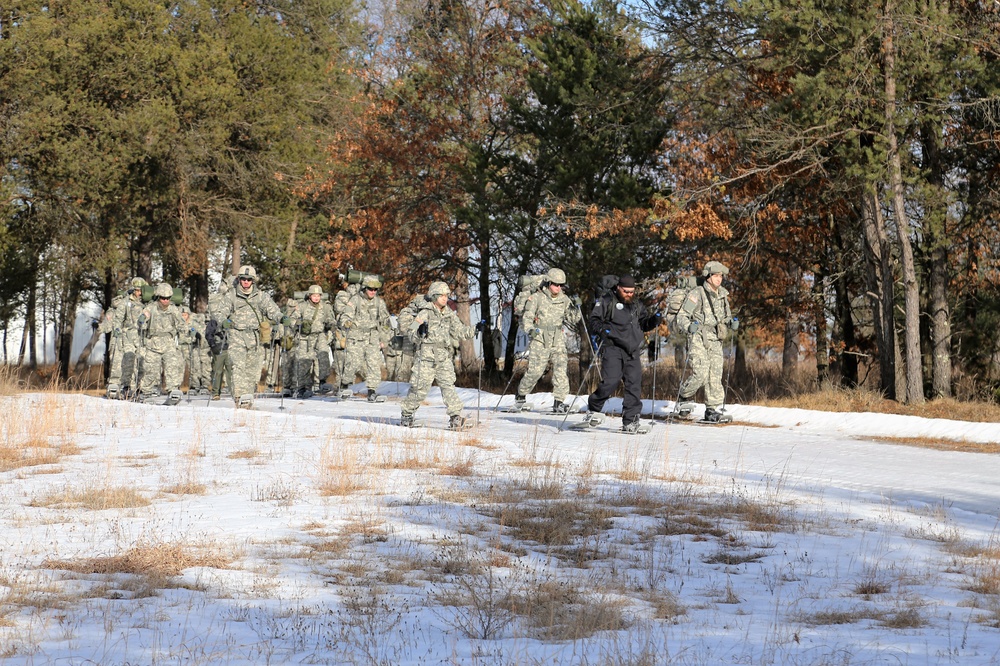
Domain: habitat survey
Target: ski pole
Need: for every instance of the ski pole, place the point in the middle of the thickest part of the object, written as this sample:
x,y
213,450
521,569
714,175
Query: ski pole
x,y
680,383
593,362
656,354
725,378
482,361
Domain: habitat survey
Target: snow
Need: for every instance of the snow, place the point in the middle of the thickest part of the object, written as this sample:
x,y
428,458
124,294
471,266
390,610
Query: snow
x,y
788,537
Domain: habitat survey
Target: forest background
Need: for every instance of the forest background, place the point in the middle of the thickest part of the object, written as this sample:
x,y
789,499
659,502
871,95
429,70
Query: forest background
x,y
842,157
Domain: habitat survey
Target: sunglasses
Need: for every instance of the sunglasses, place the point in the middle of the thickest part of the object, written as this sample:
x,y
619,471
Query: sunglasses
x,y
371,288
163,298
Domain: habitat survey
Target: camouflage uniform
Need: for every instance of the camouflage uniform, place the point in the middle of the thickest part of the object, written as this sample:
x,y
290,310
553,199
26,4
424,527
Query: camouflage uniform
x,y
126,325
218,340
710,309
242,311
114,350
545,314
365,320
312,323
339,342
435,353
160,352
200,376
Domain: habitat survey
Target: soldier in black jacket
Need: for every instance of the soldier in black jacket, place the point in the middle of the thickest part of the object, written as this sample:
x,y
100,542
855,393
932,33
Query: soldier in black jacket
x,y
619,320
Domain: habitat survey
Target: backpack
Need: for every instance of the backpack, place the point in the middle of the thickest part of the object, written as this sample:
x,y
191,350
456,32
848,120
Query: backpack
x,y
676,298
605,286
403,321
527,285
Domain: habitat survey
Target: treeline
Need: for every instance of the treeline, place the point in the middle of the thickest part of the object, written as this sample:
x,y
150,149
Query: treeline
x,y
842,158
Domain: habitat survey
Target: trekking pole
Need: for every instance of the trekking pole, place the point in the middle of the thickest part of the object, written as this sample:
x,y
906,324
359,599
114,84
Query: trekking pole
x,y
593,363
482,361
656,355
191,368
725,378
680,383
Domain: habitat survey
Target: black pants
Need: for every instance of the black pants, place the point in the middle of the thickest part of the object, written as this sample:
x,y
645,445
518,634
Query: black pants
x,y
617,366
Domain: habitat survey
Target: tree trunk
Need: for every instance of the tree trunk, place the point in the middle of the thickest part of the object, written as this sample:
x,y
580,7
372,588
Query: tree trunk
x,y
911,288
81,363
466,348
66,324
235,257
790,349
486,308
31,324
289,249
879,278
822,330
936,236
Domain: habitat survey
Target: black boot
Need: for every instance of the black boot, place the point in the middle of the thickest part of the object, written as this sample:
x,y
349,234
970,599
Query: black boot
x,y
457,422
559,407
372,396
520,403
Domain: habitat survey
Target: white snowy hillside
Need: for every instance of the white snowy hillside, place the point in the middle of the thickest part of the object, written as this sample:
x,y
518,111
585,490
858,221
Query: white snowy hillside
x,y
317,532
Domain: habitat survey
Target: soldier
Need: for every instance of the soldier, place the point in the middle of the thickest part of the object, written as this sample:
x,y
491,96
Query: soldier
x,y
199,359
436,331
545,314
159,325
241,313
339,342
706,317
126,329
114,350
312,322
218,341
364,318
185,343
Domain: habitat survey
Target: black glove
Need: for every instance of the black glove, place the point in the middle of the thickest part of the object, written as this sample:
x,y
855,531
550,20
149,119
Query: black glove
x,y
693,327
422,330
480,326
94,325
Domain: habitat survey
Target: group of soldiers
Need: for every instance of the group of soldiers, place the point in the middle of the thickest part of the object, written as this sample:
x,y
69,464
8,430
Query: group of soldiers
x,y
153,338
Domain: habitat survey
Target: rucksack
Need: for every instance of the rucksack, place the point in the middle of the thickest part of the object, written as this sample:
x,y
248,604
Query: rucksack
x,y
605,286
676,298
403,321
526,286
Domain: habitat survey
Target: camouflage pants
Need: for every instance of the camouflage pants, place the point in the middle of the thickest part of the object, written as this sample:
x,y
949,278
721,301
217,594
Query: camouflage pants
x,y
539,357
201,368
705,358
169,362
247,357
312,351
115,354
365,359
429,367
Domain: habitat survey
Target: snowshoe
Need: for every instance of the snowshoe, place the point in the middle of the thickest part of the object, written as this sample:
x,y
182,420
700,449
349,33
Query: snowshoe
x,y
245,401
636,427
715,417
203,391
323,389
682,410
459,422
174,398
560,408
114,392
345,393
590,420
520,405
302,394
407,421
375,397
287,393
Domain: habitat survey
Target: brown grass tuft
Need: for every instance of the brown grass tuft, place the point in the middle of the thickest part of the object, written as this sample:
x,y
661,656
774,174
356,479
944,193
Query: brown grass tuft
x,y
939,444
94,498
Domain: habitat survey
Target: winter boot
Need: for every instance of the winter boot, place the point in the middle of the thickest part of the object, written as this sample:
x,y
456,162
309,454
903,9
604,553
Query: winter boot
x,y
713,416
559,407
593,418
372,396
303,394
520,403
457,422
684,407
406,420
113,391
346,392
325,388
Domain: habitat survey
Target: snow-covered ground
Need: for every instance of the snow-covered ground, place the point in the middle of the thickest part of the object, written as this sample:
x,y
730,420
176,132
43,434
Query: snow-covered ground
x,y
318,532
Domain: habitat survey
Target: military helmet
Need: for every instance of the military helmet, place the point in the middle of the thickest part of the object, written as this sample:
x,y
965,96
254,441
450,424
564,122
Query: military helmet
x,y
247,271
371,282
438,288
137,283
714,268
556,276
315,289
185,309
163,290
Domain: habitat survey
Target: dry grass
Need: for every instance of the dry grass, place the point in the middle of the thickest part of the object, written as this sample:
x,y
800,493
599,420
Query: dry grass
x,y
862,400
93,498
154,564
342,471
37,431
939,444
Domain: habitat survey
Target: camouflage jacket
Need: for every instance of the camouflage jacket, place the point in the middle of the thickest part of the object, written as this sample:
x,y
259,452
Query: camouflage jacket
x,y
312,319
545,315
444,331
126,319
248,313
708,308
365,318
162,326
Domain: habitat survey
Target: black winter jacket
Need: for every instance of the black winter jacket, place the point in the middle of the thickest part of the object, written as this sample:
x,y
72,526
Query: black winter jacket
x,y
621,324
